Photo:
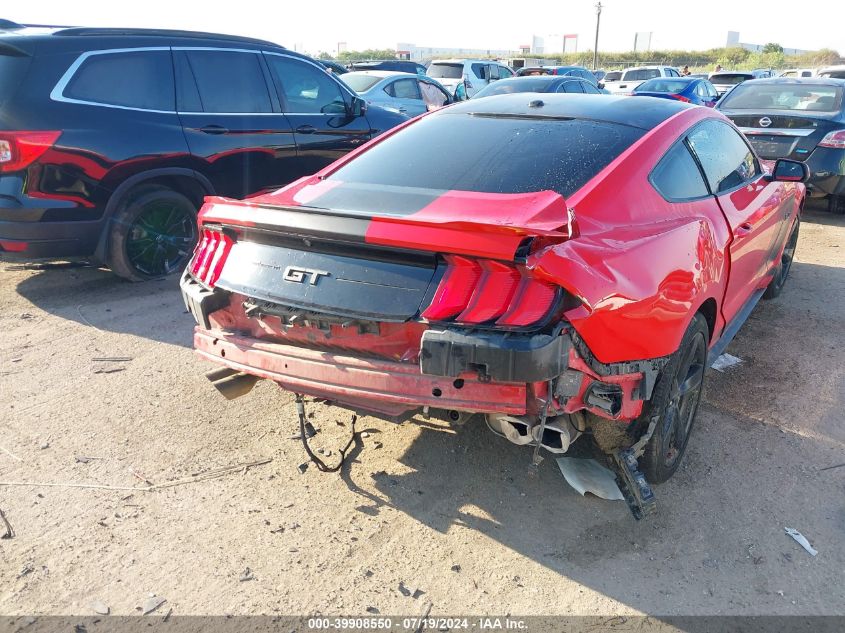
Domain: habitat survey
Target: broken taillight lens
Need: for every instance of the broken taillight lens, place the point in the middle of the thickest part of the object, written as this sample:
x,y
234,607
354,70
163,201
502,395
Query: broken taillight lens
x,y
480,291
210,256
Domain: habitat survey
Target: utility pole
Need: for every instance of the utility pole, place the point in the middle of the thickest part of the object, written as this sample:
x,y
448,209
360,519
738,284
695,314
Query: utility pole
x,y
596,49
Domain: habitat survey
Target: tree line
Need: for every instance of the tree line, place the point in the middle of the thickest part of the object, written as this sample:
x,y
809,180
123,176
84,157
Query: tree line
x,y
772,56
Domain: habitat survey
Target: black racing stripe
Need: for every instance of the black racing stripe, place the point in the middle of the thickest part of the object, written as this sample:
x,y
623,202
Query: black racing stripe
x,y
306,222
368,200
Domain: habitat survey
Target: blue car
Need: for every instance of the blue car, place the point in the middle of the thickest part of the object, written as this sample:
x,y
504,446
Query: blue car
x,y
400,92
687,89
540,83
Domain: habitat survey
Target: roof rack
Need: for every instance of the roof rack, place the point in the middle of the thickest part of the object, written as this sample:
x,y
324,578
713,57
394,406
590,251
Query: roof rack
x,y
93,31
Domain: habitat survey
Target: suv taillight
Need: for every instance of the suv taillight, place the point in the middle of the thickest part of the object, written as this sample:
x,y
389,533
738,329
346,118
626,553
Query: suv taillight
x,y
836,140
210,256
18,150
478,291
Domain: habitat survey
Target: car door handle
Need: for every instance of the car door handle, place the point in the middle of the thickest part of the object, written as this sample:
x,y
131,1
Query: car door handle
x,y
403,109
306,129
214,129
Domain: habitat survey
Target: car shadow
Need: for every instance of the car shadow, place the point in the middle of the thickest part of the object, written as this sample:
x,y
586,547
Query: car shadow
x,y
96,298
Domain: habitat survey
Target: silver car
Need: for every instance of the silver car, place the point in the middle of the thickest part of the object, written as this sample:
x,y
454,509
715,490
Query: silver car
x,y
400,92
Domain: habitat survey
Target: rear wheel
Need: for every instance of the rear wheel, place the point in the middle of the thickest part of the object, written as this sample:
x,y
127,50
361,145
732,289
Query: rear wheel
x,y
152,234
775,287
675,403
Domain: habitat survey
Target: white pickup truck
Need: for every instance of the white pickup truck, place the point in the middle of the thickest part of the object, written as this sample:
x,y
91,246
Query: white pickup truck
x,y
624,81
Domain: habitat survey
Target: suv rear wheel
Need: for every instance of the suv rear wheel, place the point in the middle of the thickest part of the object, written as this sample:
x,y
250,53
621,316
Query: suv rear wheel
x,y
152,234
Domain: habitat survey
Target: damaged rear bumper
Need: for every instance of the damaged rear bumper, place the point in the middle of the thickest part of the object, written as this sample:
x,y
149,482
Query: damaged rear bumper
x,y
386,387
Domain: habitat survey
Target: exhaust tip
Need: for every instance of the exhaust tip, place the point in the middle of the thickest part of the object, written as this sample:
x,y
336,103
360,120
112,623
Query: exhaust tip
x,y
230,383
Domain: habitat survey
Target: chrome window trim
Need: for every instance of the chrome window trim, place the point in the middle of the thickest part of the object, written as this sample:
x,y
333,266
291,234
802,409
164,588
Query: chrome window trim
x,y
57,94
777,131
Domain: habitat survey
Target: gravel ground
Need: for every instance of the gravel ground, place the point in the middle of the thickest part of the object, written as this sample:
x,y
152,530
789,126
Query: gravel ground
x,y
449,513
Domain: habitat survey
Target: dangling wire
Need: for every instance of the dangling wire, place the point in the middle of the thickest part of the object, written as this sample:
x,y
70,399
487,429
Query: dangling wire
x,y
303,423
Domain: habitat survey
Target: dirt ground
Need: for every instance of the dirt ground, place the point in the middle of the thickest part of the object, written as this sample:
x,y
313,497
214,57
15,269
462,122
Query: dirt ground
x,y
452,514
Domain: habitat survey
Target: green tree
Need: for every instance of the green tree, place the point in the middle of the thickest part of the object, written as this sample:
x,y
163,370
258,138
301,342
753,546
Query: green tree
x,y
369,53
773,47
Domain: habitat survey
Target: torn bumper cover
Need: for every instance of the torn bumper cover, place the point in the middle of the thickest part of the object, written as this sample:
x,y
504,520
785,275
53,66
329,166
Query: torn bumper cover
x,y
478,372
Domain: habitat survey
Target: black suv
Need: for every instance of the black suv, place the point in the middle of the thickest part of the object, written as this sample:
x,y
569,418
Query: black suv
x,y
110,138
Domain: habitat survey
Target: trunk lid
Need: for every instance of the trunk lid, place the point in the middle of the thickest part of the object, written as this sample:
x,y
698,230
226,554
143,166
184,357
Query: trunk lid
x,y
375,254
774,134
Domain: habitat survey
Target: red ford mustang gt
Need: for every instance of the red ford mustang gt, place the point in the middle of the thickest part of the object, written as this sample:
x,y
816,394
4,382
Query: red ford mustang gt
x,y
566,265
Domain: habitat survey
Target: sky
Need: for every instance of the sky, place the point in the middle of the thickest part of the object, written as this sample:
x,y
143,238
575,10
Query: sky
x,y
321,25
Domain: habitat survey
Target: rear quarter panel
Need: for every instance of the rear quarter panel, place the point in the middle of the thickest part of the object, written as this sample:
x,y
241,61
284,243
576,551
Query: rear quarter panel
x,y
641,266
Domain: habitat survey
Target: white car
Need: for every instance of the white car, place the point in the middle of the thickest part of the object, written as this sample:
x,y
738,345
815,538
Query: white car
x,y
624,81
474,73
798,72
833,72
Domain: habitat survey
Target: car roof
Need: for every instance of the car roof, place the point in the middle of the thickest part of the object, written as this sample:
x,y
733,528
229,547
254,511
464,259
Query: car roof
x,y
466,60
688,80
644,68
643,113
72,36
384,74
815,81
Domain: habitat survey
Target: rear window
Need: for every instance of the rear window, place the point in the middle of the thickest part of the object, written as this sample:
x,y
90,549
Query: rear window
x,y
360,83
446,71
484,153
12,71
730,79
833,74
803,96
613,76
641,74
662,85
510,86
135,79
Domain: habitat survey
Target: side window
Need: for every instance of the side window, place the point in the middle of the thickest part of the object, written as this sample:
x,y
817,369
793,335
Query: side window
x,y
406,89
727,160
229,81
492,72
589,88
306,88
572,87
677,176
505,72
671,72
480,70
140,79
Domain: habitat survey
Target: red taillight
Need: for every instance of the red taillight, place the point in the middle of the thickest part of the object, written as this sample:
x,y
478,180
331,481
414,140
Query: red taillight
x,y
479,291
836,140
531,303
493,294
455,289
18,150
682,98
210,256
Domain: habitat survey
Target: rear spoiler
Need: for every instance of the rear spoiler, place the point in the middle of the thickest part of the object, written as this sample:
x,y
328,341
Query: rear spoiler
x,y
460,222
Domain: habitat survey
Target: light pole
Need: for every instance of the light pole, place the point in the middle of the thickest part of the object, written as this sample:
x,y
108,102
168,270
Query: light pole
x,y
596,49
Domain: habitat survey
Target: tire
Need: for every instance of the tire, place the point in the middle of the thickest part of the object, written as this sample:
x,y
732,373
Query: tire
x,y
675,403
836,204
775,287
152,234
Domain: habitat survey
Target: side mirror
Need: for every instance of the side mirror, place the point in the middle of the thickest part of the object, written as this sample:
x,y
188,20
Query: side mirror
x,y
790,171
359,107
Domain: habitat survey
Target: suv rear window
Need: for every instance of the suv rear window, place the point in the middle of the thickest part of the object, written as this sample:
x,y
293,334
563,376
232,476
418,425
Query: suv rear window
x,y
641,74
12,71
730,78
613,76
464,152
446,71
134,79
